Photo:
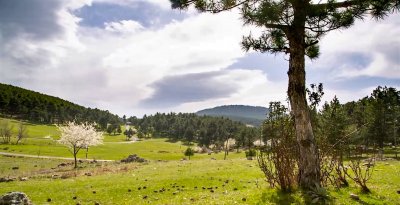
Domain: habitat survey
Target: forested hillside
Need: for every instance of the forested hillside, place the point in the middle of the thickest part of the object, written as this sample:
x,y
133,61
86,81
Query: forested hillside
x,y
25,104
252,115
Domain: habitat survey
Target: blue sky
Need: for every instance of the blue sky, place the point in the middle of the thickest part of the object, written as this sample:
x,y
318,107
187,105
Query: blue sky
x,y
138,57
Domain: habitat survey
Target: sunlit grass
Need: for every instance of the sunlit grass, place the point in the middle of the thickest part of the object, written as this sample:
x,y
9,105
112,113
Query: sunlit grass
x,y
112,181
234,181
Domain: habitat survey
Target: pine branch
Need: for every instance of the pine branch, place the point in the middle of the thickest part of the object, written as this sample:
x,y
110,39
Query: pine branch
x,y
277,26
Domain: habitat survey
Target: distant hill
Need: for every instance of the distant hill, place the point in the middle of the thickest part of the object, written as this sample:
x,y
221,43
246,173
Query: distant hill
x,y
16,102
252,115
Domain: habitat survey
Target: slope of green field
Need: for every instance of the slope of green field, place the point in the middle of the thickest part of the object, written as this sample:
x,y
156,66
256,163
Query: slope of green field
x,y
207,179
41,141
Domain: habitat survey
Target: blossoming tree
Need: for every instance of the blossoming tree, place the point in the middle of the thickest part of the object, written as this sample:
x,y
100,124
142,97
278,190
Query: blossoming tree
x,y
77,136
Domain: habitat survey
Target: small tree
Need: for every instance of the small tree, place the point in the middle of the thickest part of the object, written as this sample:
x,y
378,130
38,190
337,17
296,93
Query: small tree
x,y
118,130
230,142
77,136
189,152
22,132
250,154
279,160
5,131
129,133
110,129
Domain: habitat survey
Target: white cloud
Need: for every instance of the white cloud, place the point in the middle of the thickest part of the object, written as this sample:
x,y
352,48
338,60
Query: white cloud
x,y
379,39
255,89
165,4
113,68
124,26
101,68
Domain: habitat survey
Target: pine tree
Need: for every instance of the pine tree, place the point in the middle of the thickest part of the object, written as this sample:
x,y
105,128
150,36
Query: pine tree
x,y
295,27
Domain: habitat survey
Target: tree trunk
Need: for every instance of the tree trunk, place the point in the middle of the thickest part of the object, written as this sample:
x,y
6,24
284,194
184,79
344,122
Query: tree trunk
x,y
75,153
226,148
309,168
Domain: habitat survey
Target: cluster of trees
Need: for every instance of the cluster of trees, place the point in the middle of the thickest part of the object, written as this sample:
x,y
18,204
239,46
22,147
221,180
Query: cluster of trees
x,y
204,130
342,131
372,121
114,128
24,104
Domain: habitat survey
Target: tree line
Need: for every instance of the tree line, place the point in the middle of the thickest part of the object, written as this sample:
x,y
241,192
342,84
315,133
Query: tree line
x,y
189,127
24,104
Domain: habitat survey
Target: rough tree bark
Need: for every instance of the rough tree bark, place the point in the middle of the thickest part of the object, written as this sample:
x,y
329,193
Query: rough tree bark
x,y
309,173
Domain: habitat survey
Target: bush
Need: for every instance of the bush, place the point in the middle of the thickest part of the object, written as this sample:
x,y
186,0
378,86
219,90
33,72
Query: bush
x,y
279,160
189,152
251,153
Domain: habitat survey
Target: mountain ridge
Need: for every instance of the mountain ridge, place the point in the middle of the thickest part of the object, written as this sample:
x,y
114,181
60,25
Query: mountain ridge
x,y
252,115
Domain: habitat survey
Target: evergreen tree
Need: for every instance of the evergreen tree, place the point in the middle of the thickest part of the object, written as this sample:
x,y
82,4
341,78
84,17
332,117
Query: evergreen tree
x,y
384,108
295,27
333,127
189,152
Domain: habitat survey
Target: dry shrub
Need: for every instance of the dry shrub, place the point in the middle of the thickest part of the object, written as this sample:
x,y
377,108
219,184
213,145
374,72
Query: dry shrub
x,y
279,158
332,170
361,172
279,165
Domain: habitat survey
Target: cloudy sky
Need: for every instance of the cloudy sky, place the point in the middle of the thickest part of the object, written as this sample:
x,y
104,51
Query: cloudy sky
x,y
138,57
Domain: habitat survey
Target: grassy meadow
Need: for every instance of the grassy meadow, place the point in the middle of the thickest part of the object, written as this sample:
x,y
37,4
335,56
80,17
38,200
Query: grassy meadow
x,y
165,179
41,141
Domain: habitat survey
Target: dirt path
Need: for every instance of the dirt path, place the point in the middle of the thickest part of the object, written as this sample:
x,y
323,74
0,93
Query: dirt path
x,y
124,142
49,157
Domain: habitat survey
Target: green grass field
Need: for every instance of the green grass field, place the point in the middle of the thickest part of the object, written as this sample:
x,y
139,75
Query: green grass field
x,y
232,181
41,141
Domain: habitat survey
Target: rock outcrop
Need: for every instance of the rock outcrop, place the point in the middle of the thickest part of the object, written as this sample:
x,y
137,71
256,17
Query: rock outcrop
x,y
15,198
133,158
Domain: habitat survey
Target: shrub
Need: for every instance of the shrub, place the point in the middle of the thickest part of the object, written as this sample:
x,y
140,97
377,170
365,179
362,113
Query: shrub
x,y
189,152
279,160
251,153
361,172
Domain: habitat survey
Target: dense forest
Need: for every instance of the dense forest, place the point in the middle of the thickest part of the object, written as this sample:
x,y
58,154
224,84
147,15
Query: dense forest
x,y
372,121
24,104
251,115
190,127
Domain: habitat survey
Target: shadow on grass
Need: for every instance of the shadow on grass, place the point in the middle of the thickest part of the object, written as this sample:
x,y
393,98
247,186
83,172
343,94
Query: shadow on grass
x,y
279,197
172,140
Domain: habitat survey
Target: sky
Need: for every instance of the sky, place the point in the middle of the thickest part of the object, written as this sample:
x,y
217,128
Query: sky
x,y
136,57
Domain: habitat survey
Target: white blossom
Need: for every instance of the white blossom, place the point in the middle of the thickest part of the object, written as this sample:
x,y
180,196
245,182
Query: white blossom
x,y
80,135
258,143
77,136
